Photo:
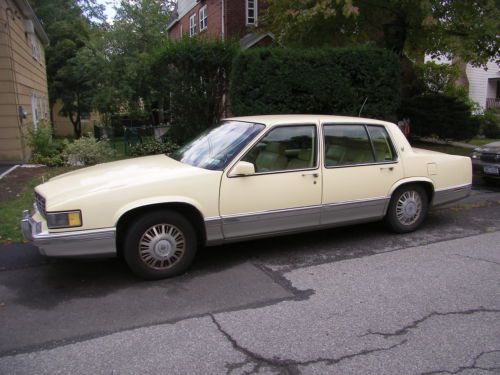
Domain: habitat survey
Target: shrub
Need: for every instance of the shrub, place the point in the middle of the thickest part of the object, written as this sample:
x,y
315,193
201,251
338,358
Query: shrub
x,y
194,75
44,150
323,81
89,150
490,124
152,147
437,78
440,115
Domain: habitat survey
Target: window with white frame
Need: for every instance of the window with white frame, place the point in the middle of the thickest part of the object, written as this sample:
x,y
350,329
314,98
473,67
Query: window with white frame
x,y
192,25
251,12
35,48
203,18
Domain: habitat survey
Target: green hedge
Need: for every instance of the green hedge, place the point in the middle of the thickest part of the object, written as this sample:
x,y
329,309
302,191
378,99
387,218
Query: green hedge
x,y
194,75
323,81
446,117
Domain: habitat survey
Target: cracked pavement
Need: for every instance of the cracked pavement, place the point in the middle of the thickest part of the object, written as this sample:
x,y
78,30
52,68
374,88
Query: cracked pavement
x,y
352,300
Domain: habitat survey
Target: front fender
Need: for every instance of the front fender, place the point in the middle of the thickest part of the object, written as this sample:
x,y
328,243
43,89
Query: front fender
x,y
155,200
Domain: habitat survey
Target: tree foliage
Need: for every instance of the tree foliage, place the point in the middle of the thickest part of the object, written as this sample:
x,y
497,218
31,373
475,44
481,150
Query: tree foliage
x,y
138,31
325,81
440,115
465,29
194,76
69,31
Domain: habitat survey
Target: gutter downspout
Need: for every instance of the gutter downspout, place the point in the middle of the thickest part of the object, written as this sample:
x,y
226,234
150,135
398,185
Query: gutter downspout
x,y
223,19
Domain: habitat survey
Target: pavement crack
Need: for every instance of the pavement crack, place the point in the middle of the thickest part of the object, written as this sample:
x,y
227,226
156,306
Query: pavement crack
x,y
473,366
416,323
255,362
258,361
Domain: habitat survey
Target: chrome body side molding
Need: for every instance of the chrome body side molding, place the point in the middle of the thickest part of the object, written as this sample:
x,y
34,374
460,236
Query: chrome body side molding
x,y
232,228
450,195
261,223
213,231
354,211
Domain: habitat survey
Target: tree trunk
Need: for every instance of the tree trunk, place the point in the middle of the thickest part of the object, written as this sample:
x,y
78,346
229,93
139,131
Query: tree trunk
x,y
51,114
462,79
161,110
74,122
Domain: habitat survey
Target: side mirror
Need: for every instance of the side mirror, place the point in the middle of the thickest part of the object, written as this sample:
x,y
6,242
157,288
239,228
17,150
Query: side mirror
x,y
242,168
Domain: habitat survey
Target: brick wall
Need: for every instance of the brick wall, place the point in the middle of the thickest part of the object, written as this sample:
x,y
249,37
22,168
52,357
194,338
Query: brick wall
x,y
214,22
234,19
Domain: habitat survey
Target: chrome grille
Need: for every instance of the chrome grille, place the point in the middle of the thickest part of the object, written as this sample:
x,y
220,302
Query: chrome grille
x,y
487,156
40,204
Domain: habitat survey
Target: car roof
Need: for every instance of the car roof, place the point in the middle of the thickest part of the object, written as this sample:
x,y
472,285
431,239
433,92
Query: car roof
x,y
272,120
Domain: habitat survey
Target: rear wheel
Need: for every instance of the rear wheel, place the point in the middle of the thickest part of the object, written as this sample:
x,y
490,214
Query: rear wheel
x,y
407,209
159,245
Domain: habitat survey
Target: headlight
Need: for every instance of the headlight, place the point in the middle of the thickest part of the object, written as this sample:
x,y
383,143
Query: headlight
x,y
65,219
475,155
497,157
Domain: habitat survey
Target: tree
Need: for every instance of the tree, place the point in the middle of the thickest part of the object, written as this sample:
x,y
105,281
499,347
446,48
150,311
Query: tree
x,y
69,25
77,80
138,31
465,29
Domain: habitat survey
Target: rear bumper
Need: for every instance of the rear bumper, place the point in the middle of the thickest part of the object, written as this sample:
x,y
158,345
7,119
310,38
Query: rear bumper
x,y
450,195
86,243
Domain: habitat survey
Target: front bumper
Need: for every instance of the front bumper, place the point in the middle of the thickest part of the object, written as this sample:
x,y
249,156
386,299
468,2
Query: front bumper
x,y
478,168
85,243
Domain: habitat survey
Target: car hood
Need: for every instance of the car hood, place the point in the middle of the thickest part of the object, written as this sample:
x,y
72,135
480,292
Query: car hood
x,y
113,177
490,147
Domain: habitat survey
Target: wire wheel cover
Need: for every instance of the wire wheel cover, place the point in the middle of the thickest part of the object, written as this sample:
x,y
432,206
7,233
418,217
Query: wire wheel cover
x,y
409,207
162,246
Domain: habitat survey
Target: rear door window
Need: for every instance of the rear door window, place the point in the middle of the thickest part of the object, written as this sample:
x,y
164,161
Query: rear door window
x,y
347,145
382,145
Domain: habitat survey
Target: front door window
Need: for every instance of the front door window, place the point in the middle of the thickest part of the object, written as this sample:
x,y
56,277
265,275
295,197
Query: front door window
x,y
285,148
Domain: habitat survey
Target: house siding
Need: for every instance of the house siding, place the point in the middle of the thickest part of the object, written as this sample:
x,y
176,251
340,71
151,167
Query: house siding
x,y
22,78
480,85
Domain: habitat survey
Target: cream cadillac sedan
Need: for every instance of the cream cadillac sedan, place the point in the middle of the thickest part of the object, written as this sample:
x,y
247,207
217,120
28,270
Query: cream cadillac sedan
x,y
249,177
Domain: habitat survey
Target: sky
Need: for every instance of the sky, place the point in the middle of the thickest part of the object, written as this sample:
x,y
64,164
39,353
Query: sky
x,y
110,11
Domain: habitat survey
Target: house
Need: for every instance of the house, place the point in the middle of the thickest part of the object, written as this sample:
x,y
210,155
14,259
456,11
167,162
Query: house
x,y
484,85
23,78
483,82
224,19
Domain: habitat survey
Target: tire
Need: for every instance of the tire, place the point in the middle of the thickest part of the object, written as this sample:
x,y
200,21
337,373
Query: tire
x,y
407,209
160,244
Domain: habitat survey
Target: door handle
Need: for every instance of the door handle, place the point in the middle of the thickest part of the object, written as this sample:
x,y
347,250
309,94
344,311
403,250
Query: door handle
x,y
388,168
315,175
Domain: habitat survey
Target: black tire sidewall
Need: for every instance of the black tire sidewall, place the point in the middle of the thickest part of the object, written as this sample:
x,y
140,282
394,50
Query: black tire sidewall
x,y
391,220
137,229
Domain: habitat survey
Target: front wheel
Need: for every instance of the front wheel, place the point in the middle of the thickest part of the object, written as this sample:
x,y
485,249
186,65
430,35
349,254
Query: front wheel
x,y
160,244
407,209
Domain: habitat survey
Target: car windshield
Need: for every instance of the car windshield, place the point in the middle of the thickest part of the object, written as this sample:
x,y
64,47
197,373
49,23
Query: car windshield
x,y
215,148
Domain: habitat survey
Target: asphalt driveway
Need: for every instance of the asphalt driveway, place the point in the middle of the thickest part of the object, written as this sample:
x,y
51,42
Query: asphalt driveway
x,y
354,300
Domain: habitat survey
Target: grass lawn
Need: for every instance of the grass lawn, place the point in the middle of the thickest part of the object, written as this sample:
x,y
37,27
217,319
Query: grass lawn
x,y
482,141
447,149
11,209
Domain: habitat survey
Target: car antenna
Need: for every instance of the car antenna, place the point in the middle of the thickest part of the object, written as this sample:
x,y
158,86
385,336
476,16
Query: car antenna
x,y
362,106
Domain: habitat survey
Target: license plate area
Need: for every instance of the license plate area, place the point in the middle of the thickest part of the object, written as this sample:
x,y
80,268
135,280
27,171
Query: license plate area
x,y
490,169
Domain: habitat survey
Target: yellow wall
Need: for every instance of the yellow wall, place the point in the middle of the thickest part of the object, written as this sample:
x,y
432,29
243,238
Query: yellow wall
x,y
63,126
23,82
